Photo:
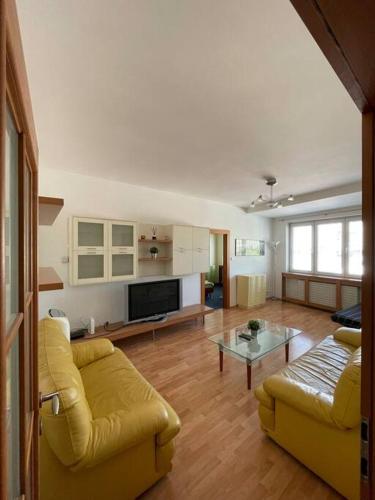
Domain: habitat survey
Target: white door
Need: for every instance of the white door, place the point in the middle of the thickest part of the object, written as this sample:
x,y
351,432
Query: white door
x,y
201,260
182,261
201,238
182,237
201,253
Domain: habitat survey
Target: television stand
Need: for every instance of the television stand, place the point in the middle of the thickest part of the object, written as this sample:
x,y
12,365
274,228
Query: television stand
x,y
162,317
188,313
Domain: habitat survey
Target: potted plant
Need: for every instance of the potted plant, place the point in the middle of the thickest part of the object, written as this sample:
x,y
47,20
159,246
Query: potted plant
x,y
154,252
254,326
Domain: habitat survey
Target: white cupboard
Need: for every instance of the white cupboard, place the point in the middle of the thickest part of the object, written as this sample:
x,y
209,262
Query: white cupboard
x,y
102,251
122,244
182,261
201,249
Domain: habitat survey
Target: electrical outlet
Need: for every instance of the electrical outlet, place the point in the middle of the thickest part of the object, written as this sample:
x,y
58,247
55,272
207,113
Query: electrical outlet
x,y
65,260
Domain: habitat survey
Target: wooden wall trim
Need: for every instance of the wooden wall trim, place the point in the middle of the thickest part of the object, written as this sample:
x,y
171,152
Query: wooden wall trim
x,y
3,403
317,16
368,292
21,92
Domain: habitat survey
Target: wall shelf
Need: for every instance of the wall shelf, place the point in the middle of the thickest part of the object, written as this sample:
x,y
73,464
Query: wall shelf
x,y
49,209
154,241
158,259
49,280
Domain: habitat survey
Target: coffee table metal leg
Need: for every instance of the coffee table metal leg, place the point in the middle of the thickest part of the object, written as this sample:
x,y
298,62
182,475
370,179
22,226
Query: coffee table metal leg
x,y
287,352
248,376
221,359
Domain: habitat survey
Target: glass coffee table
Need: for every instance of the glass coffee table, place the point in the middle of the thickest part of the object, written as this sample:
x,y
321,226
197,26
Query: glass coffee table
x,y
270,337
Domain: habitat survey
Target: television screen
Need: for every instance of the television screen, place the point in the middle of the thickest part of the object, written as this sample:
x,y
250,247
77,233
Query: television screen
x,y
152,299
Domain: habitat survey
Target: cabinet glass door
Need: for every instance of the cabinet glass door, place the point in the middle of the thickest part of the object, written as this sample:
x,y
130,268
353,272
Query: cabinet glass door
x,y
90,268
122,266
89,234
122,235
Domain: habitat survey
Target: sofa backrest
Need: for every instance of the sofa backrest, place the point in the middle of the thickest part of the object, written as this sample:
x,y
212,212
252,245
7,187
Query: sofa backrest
x,y
347,397
67,433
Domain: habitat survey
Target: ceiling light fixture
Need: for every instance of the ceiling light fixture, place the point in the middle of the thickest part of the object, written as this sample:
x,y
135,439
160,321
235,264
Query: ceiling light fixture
x,y
271,202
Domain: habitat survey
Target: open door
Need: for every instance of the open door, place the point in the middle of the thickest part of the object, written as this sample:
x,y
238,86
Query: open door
x,y
223,272
344,31
18,270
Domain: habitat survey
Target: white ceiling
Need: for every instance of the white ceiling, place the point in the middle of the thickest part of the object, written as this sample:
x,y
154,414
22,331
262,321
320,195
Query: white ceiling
x,y
202,97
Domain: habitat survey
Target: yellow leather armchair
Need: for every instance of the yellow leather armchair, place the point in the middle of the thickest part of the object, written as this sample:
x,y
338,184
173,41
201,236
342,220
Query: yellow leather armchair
x,y
113,436
312,409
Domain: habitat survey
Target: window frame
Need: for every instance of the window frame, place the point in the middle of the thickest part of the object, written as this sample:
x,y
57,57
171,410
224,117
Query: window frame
x,y
314,251
299,224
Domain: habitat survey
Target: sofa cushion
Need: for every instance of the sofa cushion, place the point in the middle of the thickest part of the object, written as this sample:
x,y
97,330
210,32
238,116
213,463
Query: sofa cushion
x,y
321,367
113,384
347,398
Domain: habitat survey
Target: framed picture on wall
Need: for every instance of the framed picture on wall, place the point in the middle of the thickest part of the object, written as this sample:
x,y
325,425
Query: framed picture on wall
x,y
249,248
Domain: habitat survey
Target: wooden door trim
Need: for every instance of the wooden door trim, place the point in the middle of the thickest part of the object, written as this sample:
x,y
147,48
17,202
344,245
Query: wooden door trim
x,y
315,16
344,32
14,94
226,269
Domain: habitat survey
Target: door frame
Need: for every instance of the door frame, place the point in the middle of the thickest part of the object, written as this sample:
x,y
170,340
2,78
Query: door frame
x,y
344,32
226,268
15,96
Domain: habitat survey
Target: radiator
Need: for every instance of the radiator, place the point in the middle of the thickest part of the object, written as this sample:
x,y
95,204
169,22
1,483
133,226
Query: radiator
x,y
295,289
350,296
323,294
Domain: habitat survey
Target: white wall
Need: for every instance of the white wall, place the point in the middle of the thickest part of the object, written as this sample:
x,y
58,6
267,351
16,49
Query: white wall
x,y
280,232
96,197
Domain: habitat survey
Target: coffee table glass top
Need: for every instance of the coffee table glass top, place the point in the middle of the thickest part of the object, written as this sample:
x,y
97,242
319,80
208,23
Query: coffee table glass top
x,y
269,337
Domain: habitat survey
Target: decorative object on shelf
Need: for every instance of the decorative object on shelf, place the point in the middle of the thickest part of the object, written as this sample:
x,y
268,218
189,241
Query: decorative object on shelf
x,y
153,231
270,200
154,252
249,248
254,326
143,236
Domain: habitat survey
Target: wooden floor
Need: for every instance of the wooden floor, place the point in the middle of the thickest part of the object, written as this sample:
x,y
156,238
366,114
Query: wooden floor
x,y
221,451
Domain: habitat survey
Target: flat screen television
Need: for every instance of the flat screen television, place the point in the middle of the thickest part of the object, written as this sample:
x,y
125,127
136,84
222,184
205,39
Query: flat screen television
x,y
152,300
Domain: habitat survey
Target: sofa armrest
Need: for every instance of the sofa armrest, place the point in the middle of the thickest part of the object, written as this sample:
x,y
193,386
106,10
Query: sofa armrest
x,y
122,430
352,336
85,353
172,429
301,397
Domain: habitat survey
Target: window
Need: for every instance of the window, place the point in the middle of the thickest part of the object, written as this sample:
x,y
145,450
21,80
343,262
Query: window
x,y
326,247
329,248
355,236
301,247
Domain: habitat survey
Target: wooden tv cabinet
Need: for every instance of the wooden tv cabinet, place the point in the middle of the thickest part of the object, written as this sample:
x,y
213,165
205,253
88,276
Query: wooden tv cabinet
x,y
186,314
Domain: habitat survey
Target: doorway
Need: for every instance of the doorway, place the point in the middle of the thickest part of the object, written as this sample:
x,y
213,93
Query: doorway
x,y
215,284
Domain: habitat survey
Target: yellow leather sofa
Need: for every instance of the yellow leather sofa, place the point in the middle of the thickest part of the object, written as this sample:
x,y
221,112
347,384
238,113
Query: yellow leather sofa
x,y
312,409
113,436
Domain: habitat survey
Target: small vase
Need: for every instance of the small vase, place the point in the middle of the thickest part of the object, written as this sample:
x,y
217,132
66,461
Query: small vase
x,y
254,333
154,256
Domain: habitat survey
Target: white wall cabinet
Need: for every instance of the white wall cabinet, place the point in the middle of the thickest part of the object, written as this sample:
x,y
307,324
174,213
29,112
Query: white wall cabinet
x,y
89,234
102,251
201,249
122,246
182,261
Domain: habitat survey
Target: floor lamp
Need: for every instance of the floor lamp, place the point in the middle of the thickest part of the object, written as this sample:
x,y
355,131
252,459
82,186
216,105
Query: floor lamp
x,y
274,245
